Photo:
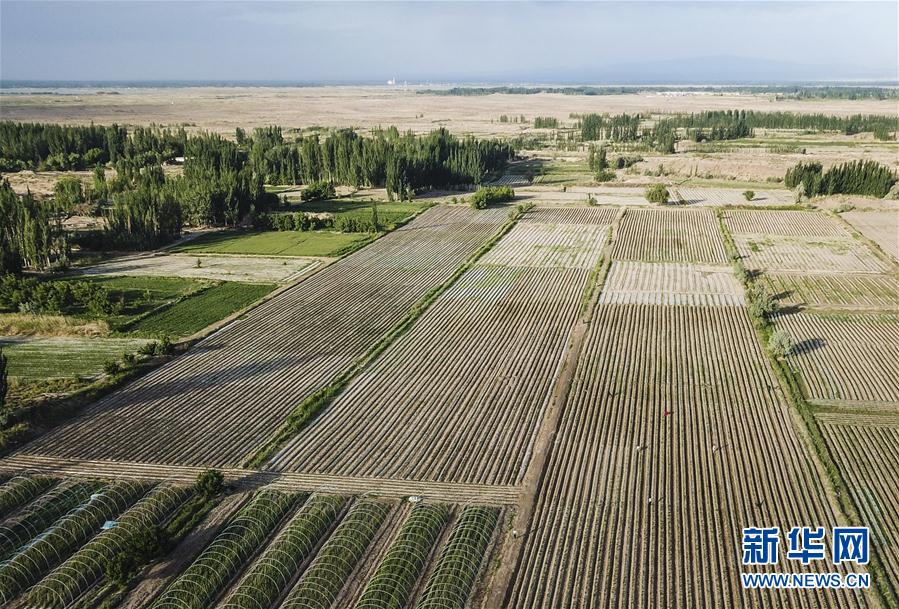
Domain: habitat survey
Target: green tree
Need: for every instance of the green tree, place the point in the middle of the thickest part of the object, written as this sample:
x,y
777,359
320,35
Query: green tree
x,y
657,193
210,482
780,343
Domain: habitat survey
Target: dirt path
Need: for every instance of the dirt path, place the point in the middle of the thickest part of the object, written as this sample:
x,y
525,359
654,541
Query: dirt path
x,y
246,479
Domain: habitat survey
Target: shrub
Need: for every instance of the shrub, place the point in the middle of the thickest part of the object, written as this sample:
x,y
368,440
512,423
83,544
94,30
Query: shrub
x,y
761,304
606,175
210,482
749,195
32,296
780,343
318,190
487,195
112,367
657,193
623,162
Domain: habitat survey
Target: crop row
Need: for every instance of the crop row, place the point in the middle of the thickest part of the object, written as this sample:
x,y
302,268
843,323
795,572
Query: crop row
x,y
673,439
784,224
402,565
223,559
802,255
532,244
842,290
86,566
731,196
197,312
218,402
40,514
461,559
864,450
268,577
595,216
671,283
326,575
669,235
882,227
460,396
65,536
845,357
20,490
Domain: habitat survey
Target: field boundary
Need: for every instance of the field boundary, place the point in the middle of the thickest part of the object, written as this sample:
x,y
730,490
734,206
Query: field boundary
x,y
310,407
248,479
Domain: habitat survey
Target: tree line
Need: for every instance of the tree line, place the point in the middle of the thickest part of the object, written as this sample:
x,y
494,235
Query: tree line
x,y
47,147
222,181
780,91
722,125
402,163
867,178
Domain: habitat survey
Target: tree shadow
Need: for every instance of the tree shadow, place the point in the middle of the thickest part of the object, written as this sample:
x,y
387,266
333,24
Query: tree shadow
x,y
808,345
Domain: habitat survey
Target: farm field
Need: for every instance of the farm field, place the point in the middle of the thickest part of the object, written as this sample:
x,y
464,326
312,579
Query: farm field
x,y
799,242
33,359
882,227
847,291
389,213
306,549
810,224
664,456
716,197
308,334
481,386
189,316
862,443
845,356
671,283
669,235
468,360
252,269
797,255
576,399
273,243
554,237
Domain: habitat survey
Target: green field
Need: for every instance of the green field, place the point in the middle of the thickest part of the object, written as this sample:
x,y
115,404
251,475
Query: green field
x,y
55,358
140,295
195,313
389,214
274,243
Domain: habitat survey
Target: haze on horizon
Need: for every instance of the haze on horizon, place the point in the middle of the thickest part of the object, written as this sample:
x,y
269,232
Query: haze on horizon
x,y
539,42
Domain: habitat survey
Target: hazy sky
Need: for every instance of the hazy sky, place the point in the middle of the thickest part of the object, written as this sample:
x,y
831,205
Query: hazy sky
x,y
593,42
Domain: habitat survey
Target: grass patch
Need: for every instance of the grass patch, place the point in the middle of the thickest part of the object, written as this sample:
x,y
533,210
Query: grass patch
x,y
192,314
389,214
140,295
563,173
59,358
273,243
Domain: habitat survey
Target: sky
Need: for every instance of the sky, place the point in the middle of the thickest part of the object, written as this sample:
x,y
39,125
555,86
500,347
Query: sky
x,y
434,41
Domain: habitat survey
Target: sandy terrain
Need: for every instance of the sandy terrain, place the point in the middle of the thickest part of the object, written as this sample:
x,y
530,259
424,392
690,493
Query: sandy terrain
x,y
223,109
